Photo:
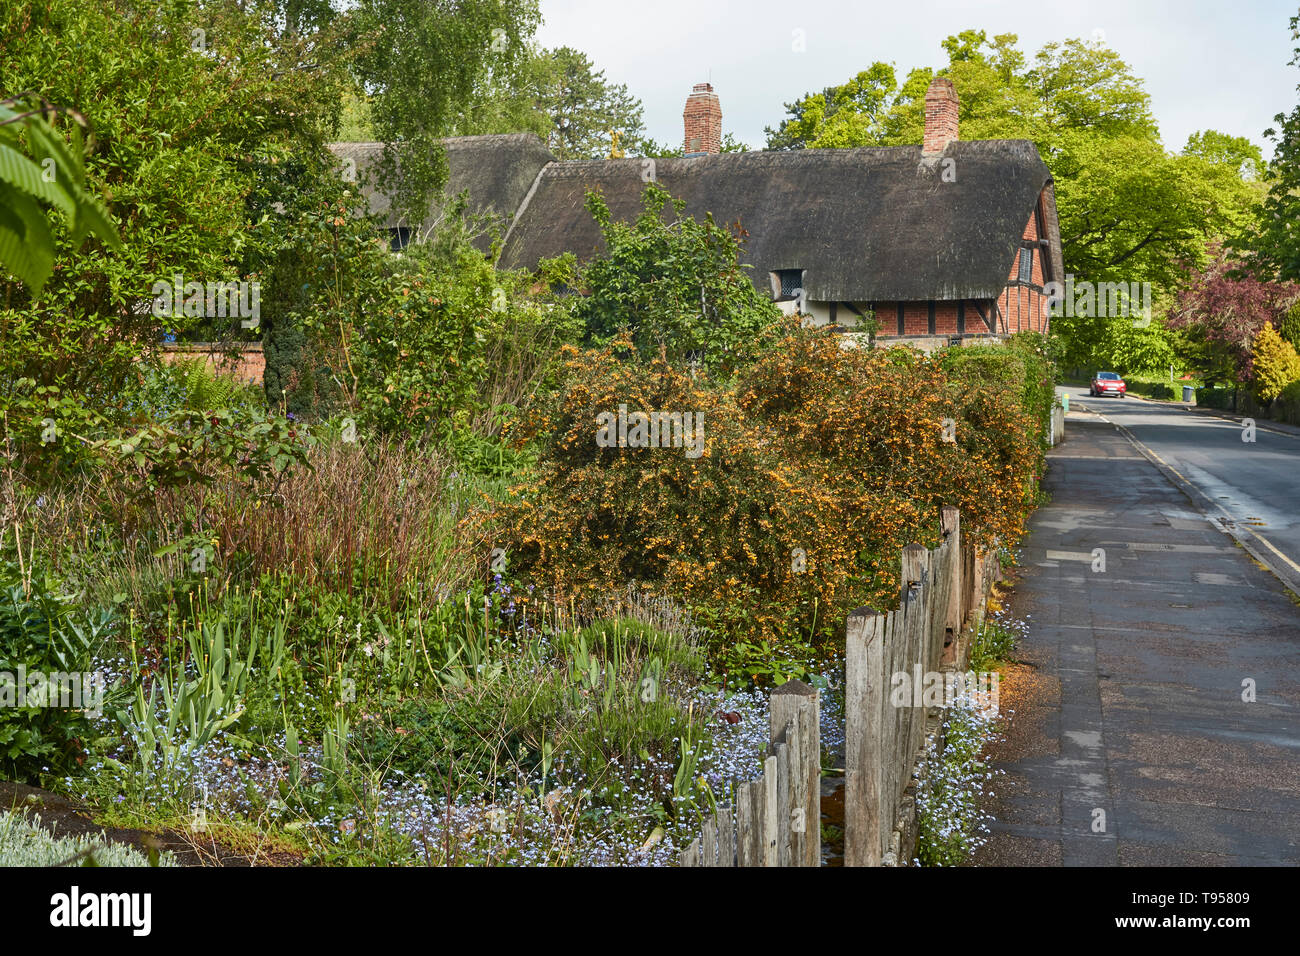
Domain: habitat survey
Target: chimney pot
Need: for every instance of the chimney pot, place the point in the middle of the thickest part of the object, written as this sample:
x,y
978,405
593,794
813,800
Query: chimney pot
x,y
941,107
702,120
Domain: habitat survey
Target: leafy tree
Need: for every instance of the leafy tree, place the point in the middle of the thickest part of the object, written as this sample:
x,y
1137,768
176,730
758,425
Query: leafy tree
x,y
1275,362
418,62
1236,152
1220,313
1278,241
189,108
853,114
561,96
674,284
1129,210
1289,325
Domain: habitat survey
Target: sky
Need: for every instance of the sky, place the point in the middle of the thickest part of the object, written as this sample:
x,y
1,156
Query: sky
x,y
1205,65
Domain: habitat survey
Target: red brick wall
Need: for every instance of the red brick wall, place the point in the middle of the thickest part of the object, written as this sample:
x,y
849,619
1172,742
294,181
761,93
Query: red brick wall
x,y
917,318
945,318
248,367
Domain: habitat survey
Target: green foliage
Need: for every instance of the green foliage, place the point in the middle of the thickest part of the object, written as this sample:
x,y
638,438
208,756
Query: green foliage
x,y
675,285
26,244
326,266
419,63
43,632
948,813
181,135
1220,398
561,96
1161,391
836,453
587,708
1286,408
180,714
1275,364
192,383
1289,325
1277,242
1021,365
853,114
994,643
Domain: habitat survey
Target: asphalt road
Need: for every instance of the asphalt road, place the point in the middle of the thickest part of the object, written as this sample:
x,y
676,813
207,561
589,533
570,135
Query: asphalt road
x,y
1252,483
1154,717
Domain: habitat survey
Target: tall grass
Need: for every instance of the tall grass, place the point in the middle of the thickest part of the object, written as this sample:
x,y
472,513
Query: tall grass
x,y
374,521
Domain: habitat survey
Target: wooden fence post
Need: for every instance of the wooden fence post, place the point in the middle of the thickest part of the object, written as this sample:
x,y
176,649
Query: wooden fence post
x,y
771,813
795,706
950,519
864,689
745,825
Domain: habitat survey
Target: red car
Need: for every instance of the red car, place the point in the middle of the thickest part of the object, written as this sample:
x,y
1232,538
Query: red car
x,y
1107,383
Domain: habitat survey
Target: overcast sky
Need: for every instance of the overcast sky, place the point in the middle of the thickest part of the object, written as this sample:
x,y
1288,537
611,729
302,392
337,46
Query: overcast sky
x,y
1206,64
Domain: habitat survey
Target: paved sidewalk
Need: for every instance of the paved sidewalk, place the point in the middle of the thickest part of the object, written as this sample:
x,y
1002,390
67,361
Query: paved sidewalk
x,y
1130,702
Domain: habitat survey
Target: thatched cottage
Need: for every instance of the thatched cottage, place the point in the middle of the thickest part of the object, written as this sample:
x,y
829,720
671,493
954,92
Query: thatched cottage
x,y
941,240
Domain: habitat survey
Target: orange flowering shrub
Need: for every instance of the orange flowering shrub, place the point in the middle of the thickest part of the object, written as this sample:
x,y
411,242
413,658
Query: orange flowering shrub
x,y
817,464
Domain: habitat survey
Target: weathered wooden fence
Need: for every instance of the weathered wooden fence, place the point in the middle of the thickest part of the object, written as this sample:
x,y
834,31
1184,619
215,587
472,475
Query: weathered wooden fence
x,y
943,594
776,819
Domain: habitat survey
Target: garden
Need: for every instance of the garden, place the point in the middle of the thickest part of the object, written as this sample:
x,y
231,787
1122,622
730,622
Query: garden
x,y
396,604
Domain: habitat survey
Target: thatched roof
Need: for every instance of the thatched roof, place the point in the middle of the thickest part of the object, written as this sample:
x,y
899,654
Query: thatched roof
x,y
866,224
496,171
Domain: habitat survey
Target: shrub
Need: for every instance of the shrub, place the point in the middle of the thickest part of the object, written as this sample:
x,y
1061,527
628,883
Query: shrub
x,y
41,632
1288,325
1288,404
1220,398
1275,364
1021,365
819,464
674,286
1162,391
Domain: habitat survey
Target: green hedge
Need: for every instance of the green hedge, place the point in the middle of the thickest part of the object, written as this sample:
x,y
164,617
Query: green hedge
x,y
1019,364
1286,408
1162,391
1220,398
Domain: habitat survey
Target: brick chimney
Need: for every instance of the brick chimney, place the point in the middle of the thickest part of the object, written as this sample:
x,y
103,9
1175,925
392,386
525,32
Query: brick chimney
x,y
703,120
940,115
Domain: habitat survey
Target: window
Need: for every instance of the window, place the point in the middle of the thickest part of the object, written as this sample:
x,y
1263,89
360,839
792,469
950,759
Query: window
x,y
400,238
1026,265
789,283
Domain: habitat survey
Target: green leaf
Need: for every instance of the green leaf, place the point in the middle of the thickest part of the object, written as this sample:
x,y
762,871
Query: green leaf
x,y
17,170
26,247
